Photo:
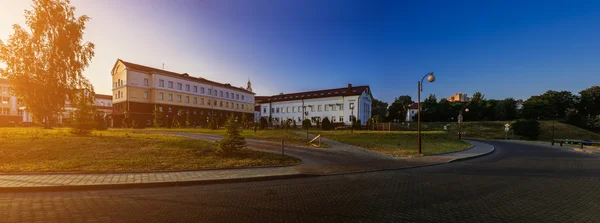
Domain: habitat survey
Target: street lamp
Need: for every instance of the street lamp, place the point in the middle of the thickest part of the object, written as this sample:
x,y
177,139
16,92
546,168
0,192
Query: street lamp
x,y
460,121
430,78
351,117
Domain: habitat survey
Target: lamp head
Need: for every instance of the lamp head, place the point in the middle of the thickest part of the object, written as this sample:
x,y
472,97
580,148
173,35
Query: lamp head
x,y
431,78
467,109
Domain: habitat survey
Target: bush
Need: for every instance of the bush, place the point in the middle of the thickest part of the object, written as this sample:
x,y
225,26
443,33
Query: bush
x,y
527,128
100,122
263,123
356,124
306,123
326,124
233,141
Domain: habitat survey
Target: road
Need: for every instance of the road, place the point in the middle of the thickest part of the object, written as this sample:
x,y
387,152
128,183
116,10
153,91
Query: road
x,y
516,183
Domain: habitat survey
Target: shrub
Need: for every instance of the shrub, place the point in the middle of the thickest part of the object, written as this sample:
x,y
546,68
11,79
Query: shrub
x,y
100,122
212,123
233,141
263,123
356,124
527,128
326,124
294,124
306,123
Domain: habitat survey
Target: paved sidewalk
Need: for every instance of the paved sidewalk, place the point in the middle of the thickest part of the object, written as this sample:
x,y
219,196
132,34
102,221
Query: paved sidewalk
x,y
339,159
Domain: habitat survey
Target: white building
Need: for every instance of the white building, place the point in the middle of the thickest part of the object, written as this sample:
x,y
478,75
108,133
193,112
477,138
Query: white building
x,y
336,104
411,111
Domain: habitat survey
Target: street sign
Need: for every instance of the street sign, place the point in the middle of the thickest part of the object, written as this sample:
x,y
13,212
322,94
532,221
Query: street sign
x,y
506,128
507,125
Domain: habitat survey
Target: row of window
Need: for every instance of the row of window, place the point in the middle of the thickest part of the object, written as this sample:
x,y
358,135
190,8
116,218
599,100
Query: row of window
x,y
161,96
294,109
188,88
180,112
6,111
5,100
118,83
5,90
314,119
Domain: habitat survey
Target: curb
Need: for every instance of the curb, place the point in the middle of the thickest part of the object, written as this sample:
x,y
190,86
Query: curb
x,y
475,156
147,185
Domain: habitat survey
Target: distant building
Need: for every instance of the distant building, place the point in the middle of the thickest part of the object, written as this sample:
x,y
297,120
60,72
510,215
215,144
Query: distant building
x,y
411,111
9,110
334,104
459,97
519,105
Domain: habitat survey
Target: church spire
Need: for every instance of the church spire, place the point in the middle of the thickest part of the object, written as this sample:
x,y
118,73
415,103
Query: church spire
x,y
249,86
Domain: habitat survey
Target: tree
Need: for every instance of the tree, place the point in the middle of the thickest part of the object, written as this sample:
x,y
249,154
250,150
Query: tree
x,y
83,116
263,123
45,63
188,121
158,116
306,123
379,108
233,141
294,123
397,111
589,103
212,123
527,128
559,101
244,121
536,108
476,107
429,110
326,124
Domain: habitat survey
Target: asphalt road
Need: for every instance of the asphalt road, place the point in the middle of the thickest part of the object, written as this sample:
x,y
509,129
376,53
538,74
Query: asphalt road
x,y
514,184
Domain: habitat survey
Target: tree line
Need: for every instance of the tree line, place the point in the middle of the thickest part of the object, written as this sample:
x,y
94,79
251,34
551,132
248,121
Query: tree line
x,y
582,109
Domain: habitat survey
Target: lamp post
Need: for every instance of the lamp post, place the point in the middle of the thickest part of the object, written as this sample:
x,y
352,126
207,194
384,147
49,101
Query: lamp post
x,y
351,117
430,78
460,121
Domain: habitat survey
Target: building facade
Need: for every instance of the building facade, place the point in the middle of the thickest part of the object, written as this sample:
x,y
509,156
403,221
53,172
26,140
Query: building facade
x,y
411,112
140,90
458,97
9,109
338,105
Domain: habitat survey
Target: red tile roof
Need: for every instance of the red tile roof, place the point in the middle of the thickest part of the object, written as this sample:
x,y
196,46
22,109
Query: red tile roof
x,y
259,99
103,96
184,75
315,94
413,106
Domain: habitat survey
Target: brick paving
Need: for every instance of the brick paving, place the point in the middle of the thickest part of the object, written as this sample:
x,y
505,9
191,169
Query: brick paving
x,y
339,159
516,183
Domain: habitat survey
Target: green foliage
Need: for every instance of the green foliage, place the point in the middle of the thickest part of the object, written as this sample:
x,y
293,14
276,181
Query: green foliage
x,y
158,116
589,103
536,108
306,124
44,63
176,122
212,123
233,141
379,108
263,123
100,122
83,116
397,110
294,125
326,124
188,121
527,128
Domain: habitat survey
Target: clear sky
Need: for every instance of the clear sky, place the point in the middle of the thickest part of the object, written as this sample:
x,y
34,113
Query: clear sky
x,y
501,48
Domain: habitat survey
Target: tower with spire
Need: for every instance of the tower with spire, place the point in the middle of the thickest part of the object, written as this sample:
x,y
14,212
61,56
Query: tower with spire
x,y
249,86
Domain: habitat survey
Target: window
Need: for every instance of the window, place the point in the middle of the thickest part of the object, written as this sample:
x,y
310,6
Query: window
x,y
326,107
277,110
215,102
6,111
294,109
242,97
121,82
299,108
179,86
161,83
187,87
170,97
145,94
221,103
237,106
161,96
287,109
227,105
265,110
202,90
208,101
333,107
5,100
350,118
187,99
341,118
221,93
179,98
312,108
237,96
170,109
145,81
202,101
195,88
341,107
209,91
332,118
170,84
227,94
318,107
160,108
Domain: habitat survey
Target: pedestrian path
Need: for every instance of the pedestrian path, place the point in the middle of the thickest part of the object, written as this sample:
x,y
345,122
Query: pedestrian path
x,y
339,159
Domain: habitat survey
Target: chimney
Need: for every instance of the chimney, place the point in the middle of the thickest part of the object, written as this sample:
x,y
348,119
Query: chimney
x,y
349,86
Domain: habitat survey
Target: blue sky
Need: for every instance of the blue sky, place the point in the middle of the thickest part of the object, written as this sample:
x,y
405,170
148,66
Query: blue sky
x,y
501,48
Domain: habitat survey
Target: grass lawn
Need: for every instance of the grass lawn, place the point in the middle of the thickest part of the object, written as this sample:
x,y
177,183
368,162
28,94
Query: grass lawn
x,y
57,150
270,135
398,143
